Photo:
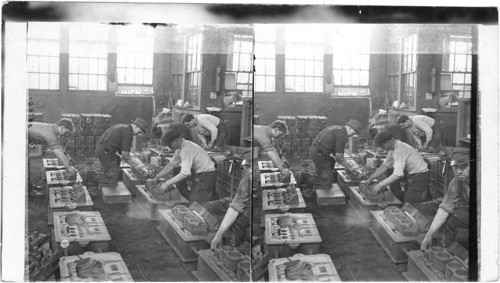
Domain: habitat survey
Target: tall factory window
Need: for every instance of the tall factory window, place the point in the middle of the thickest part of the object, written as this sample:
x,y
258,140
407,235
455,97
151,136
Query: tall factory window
x,y
351,60
457,65
43,55
265,62
240,63
177,70
393,70
304,53
135,55
408,96
88,57
193,69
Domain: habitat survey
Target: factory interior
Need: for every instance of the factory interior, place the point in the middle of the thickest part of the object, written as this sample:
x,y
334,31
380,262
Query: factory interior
x,y
251,152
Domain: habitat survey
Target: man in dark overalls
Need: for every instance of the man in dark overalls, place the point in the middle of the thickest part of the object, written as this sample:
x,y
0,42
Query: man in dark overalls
x,y
452,216
118,138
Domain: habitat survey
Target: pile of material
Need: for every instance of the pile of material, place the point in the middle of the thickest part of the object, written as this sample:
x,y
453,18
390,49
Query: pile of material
x,y
401,221
88,268
191,222
160,195
443,262
375,197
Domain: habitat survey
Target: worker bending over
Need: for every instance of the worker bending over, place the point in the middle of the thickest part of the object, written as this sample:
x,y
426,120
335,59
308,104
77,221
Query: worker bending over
x,y
421,127
48,135
118,138
263,138
208,127
240,206
189,156
332,140
406,161
453,213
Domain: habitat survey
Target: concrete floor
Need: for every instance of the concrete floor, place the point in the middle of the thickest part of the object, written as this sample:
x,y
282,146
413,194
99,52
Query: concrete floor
x,y
355,252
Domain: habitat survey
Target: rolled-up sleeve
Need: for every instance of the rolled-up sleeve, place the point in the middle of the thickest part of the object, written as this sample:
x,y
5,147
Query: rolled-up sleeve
x,y
241,197
186,162
399,163
176,159
451,197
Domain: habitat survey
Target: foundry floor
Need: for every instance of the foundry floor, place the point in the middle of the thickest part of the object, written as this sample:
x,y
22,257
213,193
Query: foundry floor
x,y
355,252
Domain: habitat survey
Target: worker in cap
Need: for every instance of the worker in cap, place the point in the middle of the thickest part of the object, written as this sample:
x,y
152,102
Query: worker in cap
x,y
263,138
237,218
118,139
332,140
452,218
211,130
195,163
425,130
48,135
405,160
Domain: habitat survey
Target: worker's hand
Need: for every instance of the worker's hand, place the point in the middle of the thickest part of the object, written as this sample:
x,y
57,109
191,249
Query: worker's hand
x,y
216,242
426,243
366,182
285,173
165,186
377,188
72,171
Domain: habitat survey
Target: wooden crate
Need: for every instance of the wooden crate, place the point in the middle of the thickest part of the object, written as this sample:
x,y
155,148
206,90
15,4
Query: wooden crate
x,y
51,178
185,245
210,268
131,180
362,207
393,242
57,204
115,193
270,180
344,181
421,269
267,166
322,266
93,233
269,206
151,207
112,264
47,267
330,195
286,246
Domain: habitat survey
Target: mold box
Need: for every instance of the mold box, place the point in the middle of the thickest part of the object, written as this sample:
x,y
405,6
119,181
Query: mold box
x,y
269,180
323,268
58,203
113,266
267,166
130,180
362,207
150,206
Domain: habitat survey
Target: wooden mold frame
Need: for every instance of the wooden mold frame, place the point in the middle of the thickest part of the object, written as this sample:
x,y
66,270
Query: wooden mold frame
x,y
57,203
303,226
420,269
94,229
267,166
51,182
265,180
48,164
210,268
113,265
131,180
323,268
268,203
392,241
362,207
151,206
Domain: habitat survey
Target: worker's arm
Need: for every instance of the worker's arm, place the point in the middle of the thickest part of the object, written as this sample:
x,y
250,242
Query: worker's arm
x,y
391,179
64,160
379,172
203,139
339,157
228,220
205,123
418,139
273,155
179,177
164,172
438,221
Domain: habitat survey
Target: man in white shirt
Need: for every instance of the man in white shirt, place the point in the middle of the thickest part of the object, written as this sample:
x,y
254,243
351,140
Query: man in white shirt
x,y
208,127
193,160
421,127
405,160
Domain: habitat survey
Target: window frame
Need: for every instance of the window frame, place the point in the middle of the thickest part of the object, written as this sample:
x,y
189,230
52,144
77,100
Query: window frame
x,y
230,64
409,73
188,72
447,55
265,60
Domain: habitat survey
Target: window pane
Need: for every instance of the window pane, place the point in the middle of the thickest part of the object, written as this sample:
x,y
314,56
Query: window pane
x,y
356,61
54,81
103,66
289,83
54,65
290,67
460,63
469,63
309,69
121,60
83,65
121,75
129,76
130,63
44,81
299,68
309,84
299,84
355,77
468,78
33,80
270,84
318,68
93,66
364,78
44,64
139,76
337,77
73,81
243,77
346,78
102,83
458,78
93,82
32,64
270,67
318,84
260,83
83,82
148,76
73,65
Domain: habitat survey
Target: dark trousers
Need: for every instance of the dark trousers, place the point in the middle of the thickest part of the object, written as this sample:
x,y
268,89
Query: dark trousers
x,y
203,187
220,141
109,160
416,188
437,132
323,162
395,187
182,186
455,228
